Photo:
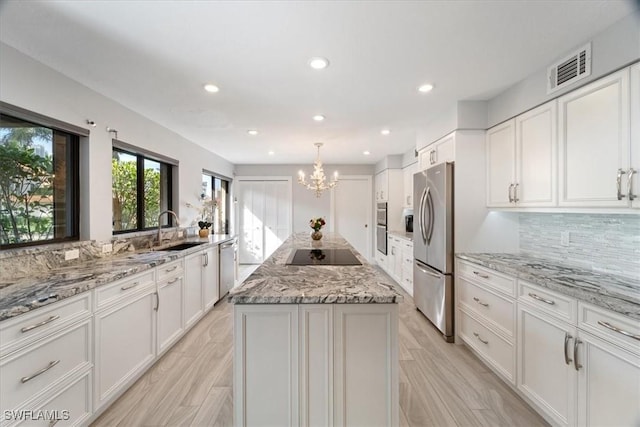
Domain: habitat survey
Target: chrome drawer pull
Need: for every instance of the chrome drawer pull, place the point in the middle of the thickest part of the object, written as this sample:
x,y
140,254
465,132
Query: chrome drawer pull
x,y
619,184
168,270
567,337
546,301
133,285
480,339
484,304
618,330
173,281
484,276
41,371
576,364
37,325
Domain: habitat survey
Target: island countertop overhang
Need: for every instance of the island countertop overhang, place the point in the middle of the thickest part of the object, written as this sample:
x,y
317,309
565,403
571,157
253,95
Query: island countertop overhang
x,y
275,282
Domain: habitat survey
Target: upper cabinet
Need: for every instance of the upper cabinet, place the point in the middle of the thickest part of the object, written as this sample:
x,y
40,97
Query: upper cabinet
x,y
501,156
407,174
382,186
594,143
633,189
443,150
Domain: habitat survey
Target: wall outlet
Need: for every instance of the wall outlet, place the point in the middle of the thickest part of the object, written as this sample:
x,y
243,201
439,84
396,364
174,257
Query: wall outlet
x,y
72,254
565,238
107,248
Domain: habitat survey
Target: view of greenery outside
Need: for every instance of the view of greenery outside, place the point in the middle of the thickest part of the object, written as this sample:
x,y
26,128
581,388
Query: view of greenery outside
x,y
124,169
26,182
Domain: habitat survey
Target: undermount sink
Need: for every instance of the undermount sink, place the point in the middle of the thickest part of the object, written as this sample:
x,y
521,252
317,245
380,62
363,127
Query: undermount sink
x,y
181,246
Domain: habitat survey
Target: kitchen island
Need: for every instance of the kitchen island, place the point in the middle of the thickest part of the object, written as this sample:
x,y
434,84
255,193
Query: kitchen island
x,y
315,344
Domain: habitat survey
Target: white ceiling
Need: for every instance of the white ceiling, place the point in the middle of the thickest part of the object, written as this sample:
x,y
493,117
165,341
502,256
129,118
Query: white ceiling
x,y
155,56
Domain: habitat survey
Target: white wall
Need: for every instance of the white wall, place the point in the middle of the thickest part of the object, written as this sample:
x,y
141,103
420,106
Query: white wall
x,y
614,48
305,203
31,85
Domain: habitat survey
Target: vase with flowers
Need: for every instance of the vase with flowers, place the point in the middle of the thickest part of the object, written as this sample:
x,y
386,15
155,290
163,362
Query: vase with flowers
x,y
316,224
206,211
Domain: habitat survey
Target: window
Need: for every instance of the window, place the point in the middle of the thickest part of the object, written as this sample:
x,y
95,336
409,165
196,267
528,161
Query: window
x,y
142,189
39,172
218,188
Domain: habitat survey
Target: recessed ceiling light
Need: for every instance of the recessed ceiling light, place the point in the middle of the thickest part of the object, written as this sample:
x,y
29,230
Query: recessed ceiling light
x,y
385,131
211,88
318,117
271,153
425,88
252,132
318,63
366,153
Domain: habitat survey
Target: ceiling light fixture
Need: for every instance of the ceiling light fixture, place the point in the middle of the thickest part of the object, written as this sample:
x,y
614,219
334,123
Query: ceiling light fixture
x,y
366,153
252,132
385,132
211,88
425,88
271,153
318,117
318,63
317,180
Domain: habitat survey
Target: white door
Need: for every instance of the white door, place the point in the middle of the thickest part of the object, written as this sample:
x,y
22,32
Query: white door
x,y
536,148
594,143
352,215
501,158
608,384
635,134
251,211
276,215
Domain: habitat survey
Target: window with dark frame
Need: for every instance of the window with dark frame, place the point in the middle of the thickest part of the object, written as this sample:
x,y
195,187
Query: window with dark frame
x,y
141,189
218,188
39,181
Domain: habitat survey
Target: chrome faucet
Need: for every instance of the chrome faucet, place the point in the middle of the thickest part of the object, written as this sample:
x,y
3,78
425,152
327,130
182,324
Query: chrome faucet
x,y
160,224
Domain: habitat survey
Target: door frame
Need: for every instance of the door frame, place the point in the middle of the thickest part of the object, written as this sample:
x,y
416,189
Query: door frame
x,y
369,204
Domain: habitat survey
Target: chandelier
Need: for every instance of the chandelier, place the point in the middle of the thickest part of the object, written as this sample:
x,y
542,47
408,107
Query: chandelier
x,y
317,180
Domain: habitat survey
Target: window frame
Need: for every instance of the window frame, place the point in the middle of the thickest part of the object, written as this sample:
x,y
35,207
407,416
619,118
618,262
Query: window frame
x,y
72,157
141,156
212,177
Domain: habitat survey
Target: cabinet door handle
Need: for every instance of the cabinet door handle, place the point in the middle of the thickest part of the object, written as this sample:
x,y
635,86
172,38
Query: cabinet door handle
x,y
484,304
157,301
173,281
515,193
630,194
168,270
484,276
40,372
510,197
480,339
618,330
37,325
544,300
567,338
619,184
133,285
576,364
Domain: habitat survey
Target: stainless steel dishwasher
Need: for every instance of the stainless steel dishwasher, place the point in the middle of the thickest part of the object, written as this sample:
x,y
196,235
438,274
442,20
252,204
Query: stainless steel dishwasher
x,y
227,267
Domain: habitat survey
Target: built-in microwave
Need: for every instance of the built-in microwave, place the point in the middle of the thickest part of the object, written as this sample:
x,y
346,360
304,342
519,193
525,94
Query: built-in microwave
x,y
381,214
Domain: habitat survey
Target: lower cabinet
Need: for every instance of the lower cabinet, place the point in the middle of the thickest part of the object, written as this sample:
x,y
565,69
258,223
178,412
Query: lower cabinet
x,y
316,364
210,278
193,308
170,312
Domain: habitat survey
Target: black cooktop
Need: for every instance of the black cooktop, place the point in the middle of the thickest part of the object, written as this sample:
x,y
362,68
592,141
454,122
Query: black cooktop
x,y
322,257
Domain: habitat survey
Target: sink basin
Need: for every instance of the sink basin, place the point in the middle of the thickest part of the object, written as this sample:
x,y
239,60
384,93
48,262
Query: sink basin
x,y
181,246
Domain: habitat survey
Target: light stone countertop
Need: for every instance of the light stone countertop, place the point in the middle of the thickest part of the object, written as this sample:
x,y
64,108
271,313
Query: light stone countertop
x,y
402,234
616,293
18,296
274,282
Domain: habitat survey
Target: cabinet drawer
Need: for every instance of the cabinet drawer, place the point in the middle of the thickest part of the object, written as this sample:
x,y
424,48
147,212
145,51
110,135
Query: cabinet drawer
x,y
381,259
497,351
27,328
170,269
27,373
488,277
115,291
613,327
560,306
497,310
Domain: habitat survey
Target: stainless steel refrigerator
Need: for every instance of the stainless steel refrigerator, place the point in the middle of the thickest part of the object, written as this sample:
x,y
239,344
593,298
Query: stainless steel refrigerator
x,y
433,246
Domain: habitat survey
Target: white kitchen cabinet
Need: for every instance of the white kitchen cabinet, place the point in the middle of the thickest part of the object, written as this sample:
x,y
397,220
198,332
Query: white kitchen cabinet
x,y
407,175
382,260
125,342
387,187
381,184
170,308
210,278
394,266
594,143
193,295
501,166
633,187
407,266
443,150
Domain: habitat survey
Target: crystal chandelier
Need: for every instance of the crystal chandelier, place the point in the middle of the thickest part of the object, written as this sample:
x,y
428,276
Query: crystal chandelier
x,y
317,180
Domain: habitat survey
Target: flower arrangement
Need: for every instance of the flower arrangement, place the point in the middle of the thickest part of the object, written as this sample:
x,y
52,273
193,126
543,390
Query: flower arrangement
x,y
317,223
205,211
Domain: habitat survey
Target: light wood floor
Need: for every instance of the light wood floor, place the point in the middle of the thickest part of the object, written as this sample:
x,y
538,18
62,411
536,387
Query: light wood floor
x,y
440,384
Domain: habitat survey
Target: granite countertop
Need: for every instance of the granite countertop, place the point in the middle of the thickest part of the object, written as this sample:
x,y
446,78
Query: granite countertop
x,y
617,293
18,296
274,282
402,234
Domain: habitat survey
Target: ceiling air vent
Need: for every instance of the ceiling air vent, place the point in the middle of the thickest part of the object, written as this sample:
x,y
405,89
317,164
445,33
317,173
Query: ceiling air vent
x,y
569,70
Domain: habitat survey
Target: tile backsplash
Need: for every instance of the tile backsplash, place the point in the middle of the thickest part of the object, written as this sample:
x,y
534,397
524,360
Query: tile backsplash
x,y
602,242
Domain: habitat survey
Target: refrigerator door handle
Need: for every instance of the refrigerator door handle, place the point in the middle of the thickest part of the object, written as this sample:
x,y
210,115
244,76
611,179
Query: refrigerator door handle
x,y
427,271
429,200
423,232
